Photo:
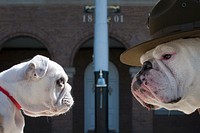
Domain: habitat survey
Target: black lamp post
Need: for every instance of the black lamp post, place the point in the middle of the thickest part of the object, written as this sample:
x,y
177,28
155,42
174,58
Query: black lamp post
x,y
101,102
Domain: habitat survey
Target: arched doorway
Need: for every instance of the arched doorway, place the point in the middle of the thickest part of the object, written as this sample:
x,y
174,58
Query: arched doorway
x,y
82,58
113,100
20,48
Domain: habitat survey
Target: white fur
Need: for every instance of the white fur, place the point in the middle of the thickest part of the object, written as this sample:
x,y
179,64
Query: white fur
x,y
33,85
181,73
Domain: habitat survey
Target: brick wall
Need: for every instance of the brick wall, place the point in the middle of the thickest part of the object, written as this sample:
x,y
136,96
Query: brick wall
x,y
60,28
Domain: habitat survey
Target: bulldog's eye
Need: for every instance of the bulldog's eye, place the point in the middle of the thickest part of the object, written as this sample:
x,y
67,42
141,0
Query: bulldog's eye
x,y
60,82
166,56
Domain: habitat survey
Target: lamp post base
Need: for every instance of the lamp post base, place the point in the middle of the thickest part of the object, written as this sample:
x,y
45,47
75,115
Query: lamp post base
x,y
101,105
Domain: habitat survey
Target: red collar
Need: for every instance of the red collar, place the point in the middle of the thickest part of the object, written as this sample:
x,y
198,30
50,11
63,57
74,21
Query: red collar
x,y
18,106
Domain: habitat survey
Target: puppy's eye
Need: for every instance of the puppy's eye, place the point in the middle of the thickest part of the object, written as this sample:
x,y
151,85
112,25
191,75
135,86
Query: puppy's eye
x,y
60,82
166,56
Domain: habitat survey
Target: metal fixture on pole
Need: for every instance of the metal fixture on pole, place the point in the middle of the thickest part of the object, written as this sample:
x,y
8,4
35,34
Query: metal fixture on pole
x,y
101,50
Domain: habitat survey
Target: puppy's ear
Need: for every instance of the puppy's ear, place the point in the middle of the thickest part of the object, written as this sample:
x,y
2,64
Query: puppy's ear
x,y
37,67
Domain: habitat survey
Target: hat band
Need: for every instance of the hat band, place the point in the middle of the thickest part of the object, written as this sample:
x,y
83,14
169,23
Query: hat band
x,y
176,28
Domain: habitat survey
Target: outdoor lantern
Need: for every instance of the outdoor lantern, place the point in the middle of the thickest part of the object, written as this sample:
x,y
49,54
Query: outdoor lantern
x,y
101,81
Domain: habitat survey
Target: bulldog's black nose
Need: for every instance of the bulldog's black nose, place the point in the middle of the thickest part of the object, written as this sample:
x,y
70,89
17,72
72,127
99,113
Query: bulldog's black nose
x,y
147,65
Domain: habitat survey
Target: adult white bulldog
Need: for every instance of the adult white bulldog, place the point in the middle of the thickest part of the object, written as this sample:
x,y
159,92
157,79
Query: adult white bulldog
x,y
170,76
38,87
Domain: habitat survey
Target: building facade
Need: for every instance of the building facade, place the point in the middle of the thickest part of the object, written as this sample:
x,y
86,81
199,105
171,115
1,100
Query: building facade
x,y
64,32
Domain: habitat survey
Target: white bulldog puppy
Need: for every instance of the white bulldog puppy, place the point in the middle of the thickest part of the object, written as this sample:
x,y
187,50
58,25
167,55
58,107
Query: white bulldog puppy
x,y
170,76
38,87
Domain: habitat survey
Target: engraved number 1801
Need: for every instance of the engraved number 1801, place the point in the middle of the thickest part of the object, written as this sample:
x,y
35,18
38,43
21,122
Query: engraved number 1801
x,y
115,18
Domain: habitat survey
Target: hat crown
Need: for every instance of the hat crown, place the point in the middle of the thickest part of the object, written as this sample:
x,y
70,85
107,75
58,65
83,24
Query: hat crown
x,y
170,16
169,20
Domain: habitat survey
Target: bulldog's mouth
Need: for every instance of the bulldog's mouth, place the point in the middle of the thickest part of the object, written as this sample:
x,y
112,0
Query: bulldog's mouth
x,y
146,97
64,98
60,107
150,91
175,101
154,107
67,101
150,106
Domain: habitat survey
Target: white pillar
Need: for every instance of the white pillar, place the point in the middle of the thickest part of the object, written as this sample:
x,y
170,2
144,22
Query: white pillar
x,y
101,46
101,49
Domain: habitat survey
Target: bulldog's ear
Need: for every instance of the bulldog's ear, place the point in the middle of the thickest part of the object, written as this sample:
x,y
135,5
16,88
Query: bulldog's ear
x,y
37,67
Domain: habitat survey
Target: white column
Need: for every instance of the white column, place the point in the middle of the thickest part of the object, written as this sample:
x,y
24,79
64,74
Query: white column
x,y
101,49
101,46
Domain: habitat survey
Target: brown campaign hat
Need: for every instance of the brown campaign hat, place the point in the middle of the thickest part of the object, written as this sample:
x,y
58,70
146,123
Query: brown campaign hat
x,y
168,20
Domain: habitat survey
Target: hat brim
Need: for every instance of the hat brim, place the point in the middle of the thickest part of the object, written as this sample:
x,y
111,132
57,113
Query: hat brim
x,y
132,56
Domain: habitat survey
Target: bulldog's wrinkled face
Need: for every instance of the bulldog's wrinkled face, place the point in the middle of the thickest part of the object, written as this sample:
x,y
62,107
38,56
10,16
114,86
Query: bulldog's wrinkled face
x,y
163,79
48,94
